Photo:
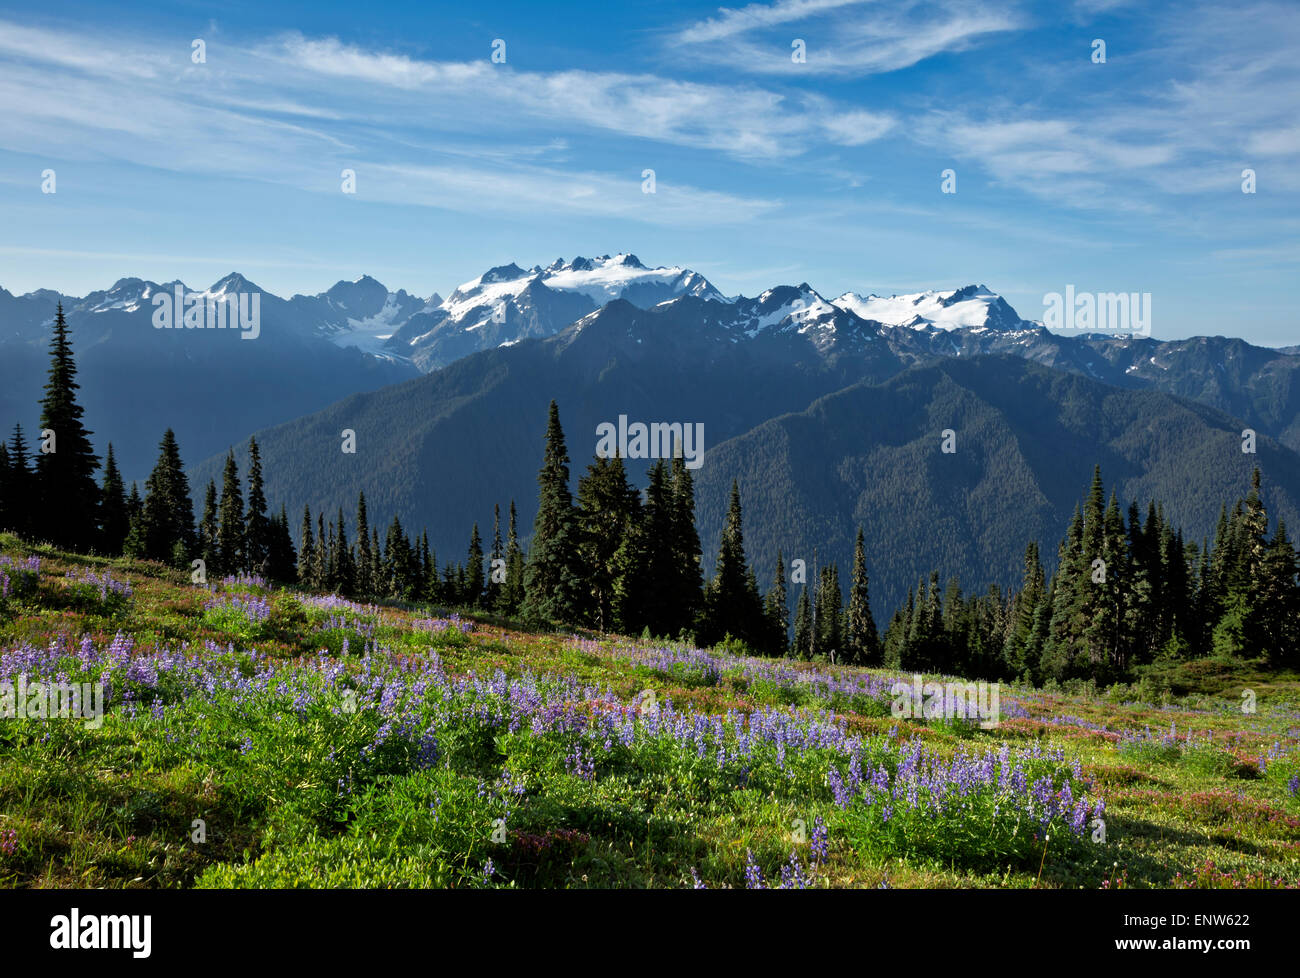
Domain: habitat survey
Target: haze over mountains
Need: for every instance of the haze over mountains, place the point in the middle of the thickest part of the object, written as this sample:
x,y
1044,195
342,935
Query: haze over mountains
x,y
827,410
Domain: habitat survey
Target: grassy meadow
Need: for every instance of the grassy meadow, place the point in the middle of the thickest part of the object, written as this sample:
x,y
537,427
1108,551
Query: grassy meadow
x,y
258,737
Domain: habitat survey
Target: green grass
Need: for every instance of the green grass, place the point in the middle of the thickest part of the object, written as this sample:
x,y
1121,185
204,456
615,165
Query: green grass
x,y
298,783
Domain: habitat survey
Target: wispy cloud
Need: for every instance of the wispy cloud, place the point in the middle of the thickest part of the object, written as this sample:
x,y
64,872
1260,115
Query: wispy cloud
x,y
842,37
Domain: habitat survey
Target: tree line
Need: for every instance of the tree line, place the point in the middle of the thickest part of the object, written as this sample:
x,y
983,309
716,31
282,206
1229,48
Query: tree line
x,y
613,558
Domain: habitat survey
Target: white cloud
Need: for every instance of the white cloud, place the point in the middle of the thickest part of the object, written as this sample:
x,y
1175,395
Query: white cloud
x,y
840,38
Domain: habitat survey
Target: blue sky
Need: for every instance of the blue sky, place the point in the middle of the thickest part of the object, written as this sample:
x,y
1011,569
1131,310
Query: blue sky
x,y
1122,176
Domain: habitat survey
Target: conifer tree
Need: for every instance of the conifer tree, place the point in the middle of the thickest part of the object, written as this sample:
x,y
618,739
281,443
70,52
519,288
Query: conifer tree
x,y
65,476
829,611
1020,653
5,505
257,525
731,604
496,559
776,611
230,533
803,626
554,576
365,584
21,491
861,638
320,557
607,508
515,563
209,527
306,550
112,511
168,515
344,572
474,570
687,558
134,545
283,560
431,589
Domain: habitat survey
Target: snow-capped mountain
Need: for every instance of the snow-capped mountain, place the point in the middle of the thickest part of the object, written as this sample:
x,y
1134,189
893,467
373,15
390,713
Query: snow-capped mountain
x,y
973,307
507,304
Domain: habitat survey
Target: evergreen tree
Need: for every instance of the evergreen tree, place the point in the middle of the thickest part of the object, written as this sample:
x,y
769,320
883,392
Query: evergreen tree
x,y
515,565
134,545
496,559
1021,654
1273,626
283,561
113,524
306,550
400,571
474,587
5,505
65,476
230,533
607,509
861,638
731,604
776,611
319,574
20,501
829,613
365,584
209,527
345,573
803,626
168,515
553,590
257,526
687,581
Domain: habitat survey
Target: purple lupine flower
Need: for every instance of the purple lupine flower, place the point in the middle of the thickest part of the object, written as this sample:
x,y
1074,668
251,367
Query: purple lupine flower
x,y
820,843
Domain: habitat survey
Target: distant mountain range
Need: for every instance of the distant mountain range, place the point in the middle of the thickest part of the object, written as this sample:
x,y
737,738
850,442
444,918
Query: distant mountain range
x,y
819,416
607,336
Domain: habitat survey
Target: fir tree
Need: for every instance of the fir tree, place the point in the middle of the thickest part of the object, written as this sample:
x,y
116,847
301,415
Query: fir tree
x,y
345,573
803,626
257,526
168,515
230,533
515,565
320,557
776,611
209,528
554,579
496,559
607,508
134,545
365,583
861,638
283,560
687,580
306,550
113,524
65,476
20,501
731,604
473,594
829,613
